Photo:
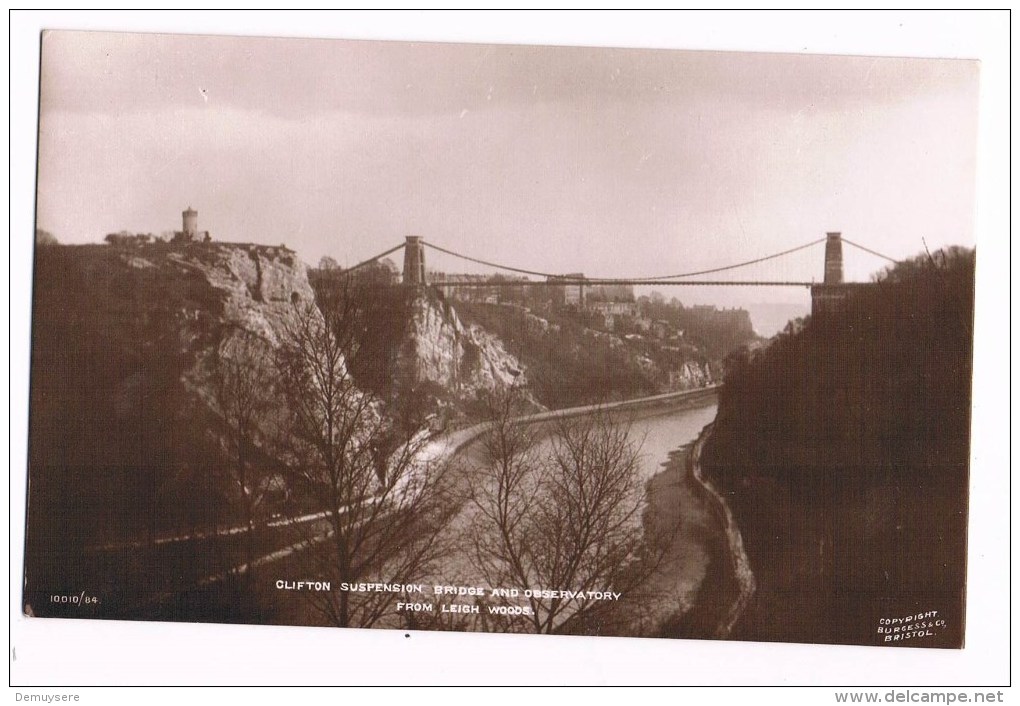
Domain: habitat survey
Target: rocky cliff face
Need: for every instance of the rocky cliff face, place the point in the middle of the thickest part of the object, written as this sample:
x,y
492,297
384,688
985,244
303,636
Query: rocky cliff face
x,y
257,285
439,350
691,375
255,292
261,289
127,341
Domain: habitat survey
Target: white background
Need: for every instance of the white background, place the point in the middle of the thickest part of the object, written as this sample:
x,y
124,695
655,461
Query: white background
x,y
67,652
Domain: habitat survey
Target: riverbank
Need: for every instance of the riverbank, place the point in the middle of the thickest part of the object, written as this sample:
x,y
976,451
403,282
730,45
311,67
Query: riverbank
x,y
727,583
738,565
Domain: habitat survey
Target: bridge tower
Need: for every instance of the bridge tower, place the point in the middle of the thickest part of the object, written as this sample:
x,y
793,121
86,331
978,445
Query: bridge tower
x,y
833,258
414,261
830,295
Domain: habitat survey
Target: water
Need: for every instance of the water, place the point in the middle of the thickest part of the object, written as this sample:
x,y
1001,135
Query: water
x,y
657,432
661,432
675,506
675,503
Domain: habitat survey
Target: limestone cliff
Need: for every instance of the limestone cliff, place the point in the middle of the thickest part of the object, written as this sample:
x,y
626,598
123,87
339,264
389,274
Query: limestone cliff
x,y
440,351
261,290
127,341
691,375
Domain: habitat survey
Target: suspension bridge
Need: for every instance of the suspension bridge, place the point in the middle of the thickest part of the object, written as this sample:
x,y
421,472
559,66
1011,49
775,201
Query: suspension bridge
x,y
825,294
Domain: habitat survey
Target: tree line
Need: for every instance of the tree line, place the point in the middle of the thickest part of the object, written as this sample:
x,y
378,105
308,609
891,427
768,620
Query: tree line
x,y
843,450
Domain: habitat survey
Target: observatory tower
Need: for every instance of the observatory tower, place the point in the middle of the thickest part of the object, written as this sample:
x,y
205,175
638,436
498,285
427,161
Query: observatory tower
x,y
190,229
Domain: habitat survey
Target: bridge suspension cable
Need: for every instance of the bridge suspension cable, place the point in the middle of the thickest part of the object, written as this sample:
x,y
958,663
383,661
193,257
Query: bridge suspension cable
x,y
373,259
869,250
732,267
489,264
628,280
636,280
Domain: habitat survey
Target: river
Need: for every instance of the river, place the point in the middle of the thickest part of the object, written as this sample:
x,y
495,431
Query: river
x,y
676,504
684,596
661,432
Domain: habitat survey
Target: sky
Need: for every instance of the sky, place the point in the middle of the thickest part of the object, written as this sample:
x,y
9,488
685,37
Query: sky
x,y
610,162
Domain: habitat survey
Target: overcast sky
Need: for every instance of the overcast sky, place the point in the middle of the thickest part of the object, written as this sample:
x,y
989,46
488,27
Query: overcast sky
x,y
610,162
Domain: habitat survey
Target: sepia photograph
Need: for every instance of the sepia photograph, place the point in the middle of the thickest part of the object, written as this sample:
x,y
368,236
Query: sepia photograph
x,y
502,338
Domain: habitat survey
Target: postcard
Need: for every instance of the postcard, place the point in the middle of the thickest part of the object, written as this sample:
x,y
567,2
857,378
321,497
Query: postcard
x,y
502,339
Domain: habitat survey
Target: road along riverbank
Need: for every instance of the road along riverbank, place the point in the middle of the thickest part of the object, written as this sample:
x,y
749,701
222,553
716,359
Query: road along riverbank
x,y
739,566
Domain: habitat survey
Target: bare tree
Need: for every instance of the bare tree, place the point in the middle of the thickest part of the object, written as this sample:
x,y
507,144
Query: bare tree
x,y
242,382
383,504
566,518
